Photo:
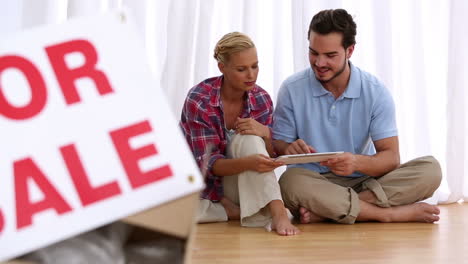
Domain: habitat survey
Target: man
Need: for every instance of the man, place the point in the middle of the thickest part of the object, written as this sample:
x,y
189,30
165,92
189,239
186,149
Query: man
x,y
335,106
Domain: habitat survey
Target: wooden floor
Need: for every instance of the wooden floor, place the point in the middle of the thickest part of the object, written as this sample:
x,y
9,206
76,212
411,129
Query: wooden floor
x,y
401,243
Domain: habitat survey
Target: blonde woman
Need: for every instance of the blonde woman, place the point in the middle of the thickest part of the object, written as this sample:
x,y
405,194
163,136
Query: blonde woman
x,y
226,121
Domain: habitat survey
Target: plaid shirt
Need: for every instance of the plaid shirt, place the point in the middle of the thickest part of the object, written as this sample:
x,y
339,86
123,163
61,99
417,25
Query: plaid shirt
x,y
202,122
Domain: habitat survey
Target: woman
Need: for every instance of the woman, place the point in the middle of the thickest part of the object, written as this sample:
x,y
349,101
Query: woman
x,y
226,121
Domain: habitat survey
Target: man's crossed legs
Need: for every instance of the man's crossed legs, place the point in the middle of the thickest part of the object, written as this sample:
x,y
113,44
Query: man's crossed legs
x,y
315,197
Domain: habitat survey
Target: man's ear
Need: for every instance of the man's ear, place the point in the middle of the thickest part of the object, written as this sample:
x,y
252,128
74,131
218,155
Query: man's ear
x,y
221,67
349,51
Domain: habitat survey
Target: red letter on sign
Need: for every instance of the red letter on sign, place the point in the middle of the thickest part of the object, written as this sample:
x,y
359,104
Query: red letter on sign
x,y
36,84
88,194
130,157
24,170
67,77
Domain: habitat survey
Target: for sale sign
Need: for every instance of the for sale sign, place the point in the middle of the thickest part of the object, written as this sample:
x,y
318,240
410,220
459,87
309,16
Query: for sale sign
x,y
86,135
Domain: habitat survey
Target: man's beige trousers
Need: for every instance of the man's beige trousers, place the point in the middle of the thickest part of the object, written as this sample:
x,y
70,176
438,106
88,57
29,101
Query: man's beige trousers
x,y
336,197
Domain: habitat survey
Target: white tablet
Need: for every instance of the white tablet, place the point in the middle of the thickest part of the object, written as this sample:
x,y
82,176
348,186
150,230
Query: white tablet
x,y
307,158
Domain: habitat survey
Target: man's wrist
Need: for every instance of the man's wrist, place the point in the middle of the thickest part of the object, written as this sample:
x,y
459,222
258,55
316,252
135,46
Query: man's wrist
x,y
358,162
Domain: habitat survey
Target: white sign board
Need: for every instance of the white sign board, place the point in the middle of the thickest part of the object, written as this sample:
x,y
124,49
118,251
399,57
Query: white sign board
x,y
86,135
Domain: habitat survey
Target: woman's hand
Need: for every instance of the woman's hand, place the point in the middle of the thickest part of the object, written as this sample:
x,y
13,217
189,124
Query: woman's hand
x,y
262,163
250,126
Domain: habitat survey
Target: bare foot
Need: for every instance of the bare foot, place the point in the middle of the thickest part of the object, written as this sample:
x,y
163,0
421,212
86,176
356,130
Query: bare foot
x,y
418,212
280,220
232,209
282,225
308,217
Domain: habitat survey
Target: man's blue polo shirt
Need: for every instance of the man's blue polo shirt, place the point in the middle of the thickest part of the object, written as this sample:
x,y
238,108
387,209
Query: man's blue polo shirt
x,y
364,113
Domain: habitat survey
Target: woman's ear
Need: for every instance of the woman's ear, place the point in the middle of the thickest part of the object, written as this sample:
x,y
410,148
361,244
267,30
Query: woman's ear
x,y
221,67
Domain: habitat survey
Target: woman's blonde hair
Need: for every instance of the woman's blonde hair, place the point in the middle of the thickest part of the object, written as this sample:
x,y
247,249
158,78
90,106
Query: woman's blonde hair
x,y
231,43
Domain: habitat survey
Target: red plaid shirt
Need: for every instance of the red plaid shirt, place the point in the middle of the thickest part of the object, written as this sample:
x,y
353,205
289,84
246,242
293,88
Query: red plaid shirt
x,y
202,122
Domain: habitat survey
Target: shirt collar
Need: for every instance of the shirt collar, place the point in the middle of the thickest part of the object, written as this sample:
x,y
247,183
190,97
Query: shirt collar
x,y
215,98
352,91
354,85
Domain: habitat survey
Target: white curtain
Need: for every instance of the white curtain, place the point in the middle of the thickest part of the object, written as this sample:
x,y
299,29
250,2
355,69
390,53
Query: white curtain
x,y
457,106
416,47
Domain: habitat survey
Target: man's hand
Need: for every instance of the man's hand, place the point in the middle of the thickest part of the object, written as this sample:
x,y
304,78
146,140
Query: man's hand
x,y
299,147
342,164
250,126
262,163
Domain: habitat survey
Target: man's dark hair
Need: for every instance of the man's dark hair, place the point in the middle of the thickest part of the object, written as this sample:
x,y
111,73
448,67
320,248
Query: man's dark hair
x,y
334,20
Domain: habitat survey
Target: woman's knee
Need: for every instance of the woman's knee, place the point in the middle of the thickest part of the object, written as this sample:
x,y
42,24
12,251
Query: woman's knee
x,y
247,139
245,145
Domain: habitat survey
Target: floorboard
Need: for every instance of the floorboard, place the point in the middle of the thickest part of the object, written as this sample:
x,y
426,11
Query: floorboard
x,y
443,242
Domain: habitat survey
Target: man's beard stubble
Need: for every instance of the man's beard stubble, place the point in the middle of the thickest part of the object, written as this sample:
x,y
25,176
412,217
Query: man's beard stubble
x,y
336,74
